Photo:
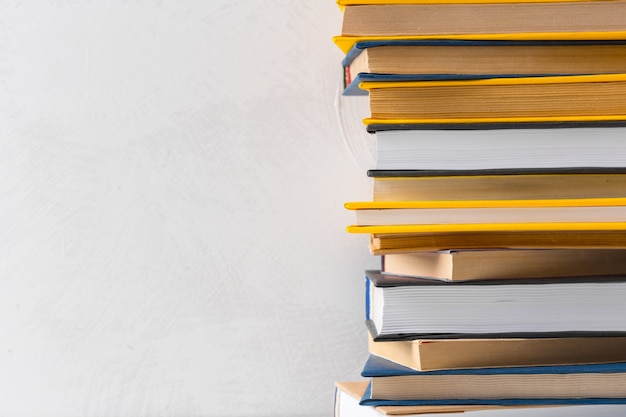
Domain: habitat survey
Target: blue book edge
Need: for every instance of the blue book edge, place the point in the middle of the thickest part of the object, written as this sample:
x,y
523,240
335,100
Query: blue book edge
x,y
376,366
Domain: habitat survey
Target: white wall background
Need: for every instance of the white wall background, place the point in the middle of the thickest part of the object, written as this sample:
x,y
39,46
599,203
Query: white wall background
x,y
172,175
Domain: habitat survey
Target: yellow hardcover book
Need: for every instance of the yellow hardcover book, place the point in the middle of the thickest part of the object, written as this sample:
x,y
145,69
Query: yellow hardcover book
x,y
485,59
579,98
522,20
466,213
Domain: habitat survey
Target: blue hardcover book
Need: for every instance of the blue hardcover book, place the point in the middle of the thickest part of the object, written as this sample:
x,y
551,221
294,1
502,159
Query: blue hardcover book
x,y
427,60
394,384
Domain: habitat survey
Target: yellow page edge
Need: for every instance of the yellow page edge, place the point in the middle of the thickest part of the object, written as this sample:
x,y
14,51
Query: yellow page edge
x,y
559,79
489,227
468,120
443,204
346,42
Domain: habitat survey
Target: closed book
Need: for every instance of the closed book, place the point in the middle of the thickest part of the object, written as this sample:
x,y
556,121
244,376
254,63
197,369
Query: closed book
x,y
532,184
537,236
501,100
481,264
486,212
549,20
502,149
349,394
393,384
407,308
398,60
437,354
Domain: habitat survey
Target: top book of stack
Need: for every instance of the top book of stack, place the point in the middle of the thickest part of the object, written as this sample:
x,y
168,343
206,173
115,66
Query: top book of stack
x,y
484,20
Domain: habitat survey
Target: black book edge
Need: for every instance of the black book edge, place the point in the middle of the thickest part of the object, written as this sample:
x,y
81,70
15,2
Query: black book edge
x,y
379,127
384,280
388,173
510,335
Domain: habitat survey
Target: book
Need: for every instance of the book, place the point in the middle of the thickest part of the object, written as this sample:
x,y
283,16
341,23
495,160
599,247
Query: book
x,y
438,354
588,236
398,60
533,184
342,3
488,212
517,20
504,100
349,394
506,149
402,307
480,264
393,384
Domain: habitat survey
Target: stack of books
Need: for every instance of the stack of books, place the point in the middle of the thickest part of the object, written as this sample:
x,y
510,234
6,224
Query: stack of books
x,y
499,206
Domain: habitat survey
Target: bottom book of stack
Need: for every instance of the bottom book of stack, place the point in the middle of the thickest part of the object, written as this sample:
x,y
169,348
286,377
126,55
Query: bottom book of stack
x,y
394,384
349,394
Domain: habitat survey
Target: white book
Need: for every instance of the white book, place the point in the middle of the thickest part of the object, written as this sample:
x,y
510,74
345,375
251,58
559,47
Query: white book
x,y
424,307
501,148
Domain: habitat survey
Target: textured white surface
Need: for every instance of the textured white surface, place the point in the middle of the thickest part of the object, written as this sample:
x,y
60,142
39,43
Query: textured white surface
x,y
171,221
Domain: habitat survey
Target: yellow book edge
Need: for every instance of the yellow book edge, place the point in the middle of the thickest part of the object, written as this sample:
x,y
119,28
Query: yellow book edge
x,y
342,3
345,43
489,227
443,204
522,119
